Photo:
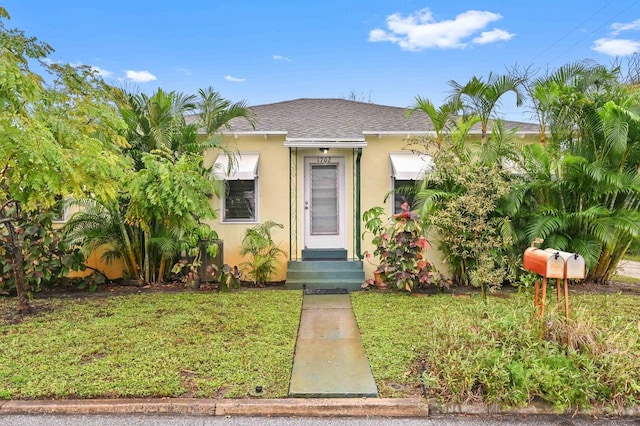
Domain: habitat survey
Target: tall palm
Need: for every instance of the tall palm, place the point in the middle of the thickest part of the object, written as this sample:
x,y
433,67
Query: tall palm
x,y
481,97
155,122
544,92
216,112
583,191
441,118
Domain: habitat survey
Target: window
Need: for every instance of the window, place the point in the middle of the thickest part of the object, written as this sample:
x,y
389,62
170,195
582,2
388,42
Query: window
x,y
402,193
406,169
240,200
60,210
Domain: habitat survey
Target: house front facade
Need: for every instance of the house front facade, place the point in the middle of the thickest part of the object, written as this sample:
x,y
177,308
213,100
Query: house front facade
x,y
314,165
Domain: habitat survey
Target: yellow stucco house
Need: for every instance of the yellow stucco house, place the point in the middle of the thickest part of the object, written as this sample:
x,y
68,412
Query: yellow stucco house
x,y
314,165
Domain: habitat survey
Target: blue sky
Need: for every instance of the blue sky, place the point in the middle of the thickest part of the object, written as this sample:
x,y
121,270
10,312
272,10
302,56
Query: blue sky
x,y
386,51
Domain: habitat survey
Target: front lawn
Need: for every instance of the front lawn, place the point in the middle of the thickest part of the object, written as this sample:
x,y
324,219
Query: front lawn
x,y
224,345
464,350
151,345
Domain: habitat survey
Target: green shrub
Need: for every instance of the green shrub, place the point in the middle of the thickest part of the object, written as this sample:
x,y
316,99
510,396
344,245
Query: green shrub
x,y
47,256
263,252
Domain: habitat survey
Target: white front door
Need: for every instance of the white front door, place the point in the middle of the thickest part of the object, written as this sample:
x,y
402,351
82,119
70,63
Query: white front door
x,y
324,202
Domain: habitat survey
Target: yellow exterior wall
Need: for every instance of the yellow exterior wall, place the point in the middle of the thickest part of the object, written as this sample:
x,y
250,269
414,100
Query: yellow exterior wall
x,y
376,185
112,271
273,196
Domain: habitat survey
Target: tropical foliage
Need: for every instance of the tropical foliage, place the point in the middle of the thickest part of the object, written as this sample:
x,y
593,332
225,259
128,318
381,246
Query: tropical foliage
x,y
48,257
264,254
56,141
163,209
482,98
577,189
400,246
581,194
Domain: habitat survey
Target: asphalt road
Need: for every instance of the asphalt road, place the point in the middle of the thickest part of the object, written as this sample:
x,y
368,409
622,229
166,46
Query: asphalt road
x,y
148,420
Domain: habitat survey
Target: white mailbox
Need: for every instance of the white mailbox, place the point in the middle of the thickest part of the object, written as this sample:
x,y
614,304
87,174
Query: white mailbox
x,y
574,266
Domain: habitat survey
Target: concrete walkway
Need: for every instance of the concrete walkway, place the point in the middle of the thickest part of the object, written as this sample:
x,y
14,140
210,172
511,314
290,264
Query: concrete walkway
x,y
628,268
330,361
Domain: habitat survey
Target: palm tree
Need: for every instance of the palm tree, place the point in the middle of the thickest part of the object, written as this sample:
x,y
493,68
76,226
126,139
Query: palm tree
x,y
483,97
101,226
216,112
441,118
170,190
264,253
582,192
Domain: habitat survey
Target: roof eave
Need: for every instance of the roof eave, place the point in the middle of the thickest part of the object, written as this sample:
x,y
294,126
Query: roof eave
x,y
325,143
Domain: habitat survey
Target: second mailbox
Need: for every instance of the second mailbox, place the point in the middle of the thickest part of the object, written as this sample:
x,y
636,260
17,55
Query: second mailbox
x,y
574,263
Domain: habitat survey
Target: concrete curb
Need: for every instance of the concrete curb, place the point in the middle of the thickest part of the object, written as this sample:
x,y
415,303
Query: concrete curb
x,y
532,409
288,407
321,407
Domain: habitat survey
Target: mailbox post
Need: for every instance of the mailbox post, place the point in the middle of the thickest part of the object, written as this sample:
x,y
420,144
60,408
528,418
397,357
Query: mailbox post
x,y
551,263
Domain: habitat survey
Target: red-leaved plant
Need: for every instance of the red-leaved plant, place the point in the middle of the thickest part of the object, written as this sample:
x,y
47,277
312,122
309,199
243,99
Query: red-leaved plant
x,y
400,246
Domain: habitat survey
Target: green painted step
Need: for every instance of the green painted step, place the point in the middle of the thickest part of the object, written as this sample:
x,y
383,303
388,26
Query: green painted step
x,y
324,254
324,274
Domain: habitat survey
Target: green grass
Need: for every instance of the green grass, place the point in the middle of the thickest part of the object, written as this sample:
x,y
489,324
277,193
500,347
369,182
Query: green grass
x,y
151,345
627,280
499,353
223,345
632,256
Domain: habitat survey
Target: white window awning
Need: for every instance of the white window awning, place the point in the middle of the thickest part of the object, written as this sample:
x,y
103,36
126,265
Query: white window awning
x,y
410,166
245,167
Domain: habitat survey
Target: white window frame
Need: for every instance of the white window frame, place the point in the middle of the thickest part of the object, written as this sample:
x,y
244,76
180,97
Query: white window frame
x,y
407,166
239,173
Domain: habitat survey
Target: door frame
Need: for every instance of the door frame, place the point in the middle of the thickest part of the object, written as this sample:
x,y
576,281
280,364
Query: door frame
x,y
338,241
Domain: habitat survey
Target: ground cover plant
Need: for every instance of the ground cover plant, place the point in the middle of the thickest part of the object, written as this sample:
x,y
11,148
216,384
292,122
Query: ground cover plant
x,y
150,345
466,350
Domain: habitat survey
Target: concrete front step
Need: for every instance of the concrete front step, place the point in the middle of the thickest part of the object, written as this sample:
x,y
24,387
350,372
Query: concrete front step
x,y
327,274
324,254
332,265
323,284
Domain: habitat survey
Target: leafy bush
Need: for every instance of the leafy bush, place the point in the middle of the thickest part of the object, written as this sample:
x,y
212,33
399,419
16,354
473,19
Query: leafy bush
x,y
400,247
460,201
47,256
263,252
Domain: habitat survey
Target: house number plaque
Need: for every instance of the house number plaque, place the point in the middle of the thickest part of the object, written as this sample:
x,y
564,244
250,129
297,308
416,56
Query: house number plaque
x,y
323,160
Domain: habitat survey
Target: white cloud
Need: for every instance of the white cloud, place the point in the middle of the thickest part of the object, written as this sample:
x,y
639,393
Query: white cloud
x,y
50,61
280,58
616,46
619,27
234,79
101,72
140,76
419,31
185,71
493,36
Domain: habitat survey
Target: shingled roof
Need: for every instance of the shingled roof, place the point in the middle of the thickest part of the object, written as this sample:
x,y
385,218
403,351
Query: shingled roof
x,y
339,119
